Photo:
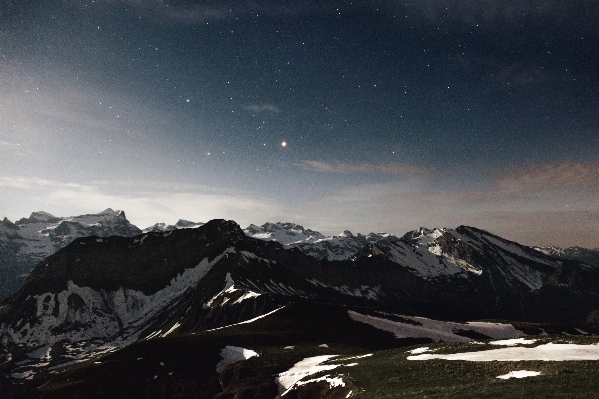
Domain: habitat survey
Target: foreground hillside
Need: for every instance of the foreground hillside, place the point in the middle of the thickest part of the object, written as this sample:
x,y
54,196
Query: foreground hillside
x,y
194,300
294,353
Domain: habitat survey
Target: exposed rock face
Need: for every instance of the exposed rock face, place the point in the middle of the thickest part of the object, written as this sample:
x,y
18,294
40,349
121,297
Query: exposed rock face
x,y
28,241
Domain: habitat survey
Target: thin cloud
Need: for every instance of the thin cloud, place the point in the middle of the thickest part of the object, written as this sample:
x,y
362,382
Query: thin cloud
x,y
257,108
144,205
188,12
540,184
344,168
501,14
35,182
566,175
191,12
544,204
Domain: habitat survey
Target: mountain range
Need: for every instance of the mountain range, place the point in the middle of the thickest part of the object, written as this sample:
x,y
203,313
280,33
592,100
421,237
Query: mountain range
x,y
313,243
26,242
211,311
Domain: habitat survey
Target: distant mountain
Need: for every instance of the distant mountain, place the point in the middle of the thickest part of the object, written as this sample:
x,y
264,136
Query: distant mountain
x,y
313,243
98,295
29,240
181,224
588,256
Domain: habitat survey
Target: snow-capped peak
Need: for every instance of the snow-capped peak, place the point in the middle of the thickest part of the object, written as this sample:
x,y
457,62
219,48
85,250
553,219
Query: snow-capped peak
x,y
39,216
181,224
42,234
284,232
313,243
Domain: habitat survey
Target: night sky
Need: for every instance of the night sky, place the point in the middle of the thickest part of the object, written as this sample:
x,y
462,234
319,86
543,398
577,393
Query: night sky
x,y
367,116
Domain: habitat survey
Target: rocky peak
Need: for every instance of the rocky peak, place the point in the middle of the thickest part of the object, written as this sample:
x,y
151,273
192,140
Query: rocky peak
x,y
182,223
228,228
7,223
39,216
253,229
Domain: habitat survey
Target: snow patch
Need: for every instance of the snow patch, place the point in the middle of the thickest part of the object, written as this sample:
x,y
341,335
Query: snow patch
x,y
229,288
309,366
519,374
421,327
419,350
513,342
247,295
549,352
333,381
302,369
355,357
424,259
173,328
232,354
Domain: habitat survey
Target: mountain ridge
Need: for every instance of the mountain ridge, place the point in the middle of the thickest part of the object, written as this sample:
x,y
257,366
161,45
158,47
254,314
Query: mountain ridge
x,y
28,241
99,295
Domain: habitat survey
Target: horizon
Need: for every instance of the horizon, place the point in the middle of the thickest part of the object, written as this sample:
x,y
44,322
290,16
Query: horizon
x,y
399,234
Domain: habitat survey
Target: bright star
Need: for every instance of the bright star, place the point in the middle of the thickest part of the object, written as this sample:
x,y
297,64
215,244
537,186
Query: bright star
x,y
284,144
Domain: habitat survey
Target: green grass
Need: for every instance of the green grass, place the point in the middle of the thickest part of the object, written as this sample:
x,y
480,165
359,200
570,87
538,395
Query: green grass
x,y
388,374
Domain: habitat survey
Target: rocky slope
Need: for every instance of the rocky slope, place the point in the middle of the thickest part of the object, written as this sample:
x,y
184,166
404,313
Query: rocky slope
x,y
29,240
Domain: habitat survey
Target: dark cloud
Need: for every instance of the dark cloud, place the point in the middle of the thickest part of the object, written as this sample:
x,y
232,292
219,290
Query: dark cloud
x,y
193,11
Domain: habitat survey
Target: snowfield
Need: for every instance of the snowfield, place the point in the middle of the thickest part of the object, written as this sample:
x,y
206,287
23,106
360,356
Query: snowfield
x,y
513,342
549,352
309,366
421,327
302,369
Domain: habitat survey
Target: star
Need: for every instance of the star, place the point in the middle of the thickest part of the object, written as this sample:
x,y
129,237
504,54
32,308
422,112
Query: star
x,y
284,144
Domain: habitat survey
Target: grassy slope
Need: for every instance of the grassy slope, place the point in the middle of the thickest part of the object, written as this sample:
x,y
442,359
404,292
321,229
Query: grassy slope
x,y
184,367
388,374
